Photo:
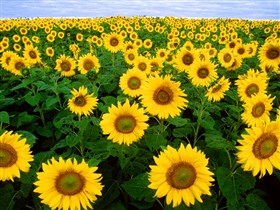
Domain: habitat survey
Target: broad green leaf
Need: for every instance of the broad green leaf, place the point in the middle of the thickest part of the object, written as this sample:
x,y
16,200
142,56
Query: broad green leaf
x,y
4,117
33,100
137,188
256,202
30,137
178,121
154,141
216,141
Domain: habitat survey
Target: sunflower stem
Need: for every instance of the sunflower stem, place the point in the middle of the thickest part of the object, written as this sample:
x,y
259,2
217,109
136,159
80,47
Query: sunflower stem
x,y
81,137
199,117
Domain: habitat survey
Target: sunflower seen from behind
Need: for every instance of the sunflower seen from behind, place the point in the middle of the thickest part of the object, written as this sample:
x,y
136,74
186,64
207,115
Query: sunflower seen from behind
x,y
256,109
15,156
81,102
125,124
131,81
163,97
67,184
181,175
259,149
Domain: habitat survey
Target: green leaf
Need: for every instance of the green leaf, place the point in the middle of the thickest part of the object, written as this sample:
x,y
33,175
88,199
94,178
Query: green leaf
x,y
117,205
216,141
51,101
256,202
30,137
6,196
137,188
4,117
154,141
33,100
178,121
6,102
72,140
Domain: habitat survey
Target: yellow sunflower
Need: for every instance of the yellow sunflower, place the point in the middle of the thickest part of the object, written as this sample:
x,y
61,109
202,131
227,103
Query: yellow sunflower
x,y
130,56
131,81
226,57
67,184
15,156
185,59
6,58
50,51
124,124
17,63
163,97
203,73
65,65
31,54
250,84
81,103
257,109
259,149
270,53
217,91
143,64
88,62
181,175
113,42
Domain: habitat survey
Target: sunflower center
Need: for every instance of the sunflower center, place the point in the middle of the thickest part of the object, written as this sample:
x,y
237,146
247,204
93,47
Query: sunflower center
x,y
8,155
69,183
114,42
241,51
134,83
80,101
131,57
202,73
216,88
19,65
142,66
232,45
88,65
227,57
32,54
252,89
163,95
258,109
187,59
181,175
65,66
265,146
8,60
273,53
125,124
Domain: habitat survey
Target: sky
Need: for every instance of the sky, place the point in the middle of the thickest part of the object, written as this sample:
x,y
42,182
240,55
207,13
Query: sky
x,y
241,9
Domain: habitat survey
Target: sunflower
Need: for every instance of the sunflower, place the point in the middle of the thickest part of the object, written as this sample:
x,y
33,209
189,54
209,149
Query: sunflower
x,y
124,124
130,56
88,62
65,65
32,54
181,175
131,81
15,156
270,53
113,42
260,148
217,91
203,73
67,184
143,64
17,63
6,58
162,54
257,109
81,103
163,97
241,50
226,57
148,43
50,51
185,59
236,63
250,84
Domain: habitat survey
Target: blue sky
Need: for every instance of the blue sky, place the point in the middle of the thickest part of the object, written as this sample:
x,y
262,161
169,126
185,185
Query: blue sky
x,y
245,9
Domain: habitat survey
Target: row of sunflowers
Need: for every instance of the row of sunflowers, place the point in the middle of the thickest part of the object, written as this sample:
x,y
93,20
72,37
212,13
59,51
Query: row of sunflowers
x,y
139,113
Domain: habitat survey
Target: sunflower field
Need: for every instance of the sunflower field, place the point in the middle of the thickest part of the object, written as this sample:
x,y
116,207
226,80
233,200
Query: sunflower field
x,y
120,113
